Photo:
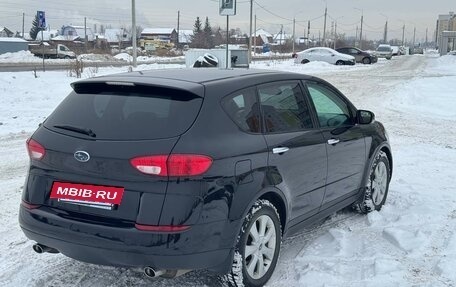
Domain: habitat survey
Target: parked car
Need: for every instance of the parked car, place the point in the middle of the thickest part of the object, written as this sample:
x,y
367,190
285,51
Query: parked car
x,y
384,51
452,53
46,50
177,170
396,50
360,55
325,55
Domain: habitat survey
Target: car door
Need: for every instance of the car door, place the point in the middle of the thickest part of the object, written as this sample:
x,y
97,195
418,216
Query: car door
x,y
357,54
310,55
345,142
297,150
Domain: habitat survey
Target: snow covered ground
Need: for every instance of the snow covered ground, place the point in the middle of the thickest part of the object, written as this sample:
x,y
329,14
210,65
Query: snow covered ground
x,y
23,57
410,242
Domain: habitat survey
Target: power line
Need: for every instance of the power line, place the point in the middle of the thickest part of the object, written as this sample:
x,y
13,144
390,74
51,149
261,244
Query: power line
x,y
272,13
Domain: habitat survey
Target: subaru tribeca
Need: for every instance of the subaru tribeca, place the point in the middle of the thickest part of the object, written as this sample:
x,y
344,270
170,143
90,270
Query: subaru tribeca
x,y
178,170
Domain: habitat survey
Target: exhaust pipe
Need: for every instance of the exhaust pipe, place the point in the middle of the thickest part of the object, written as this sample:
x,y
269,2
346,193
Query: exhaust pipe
x,y
152,273
40,249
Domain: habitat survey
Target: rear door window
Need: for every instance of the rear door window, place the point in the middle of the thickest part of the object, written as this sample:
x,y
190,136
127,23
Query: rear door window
x,y
284,107
136,113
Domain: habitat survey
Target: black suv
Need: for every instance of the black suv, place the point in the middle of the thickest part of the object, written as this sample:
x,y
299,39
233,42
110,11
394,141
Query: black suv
x,y
175,170
360,55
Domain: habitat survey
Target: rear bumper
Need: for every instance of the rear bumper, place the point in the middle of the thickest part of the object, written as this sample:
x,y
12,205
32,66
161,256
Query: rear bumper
x,y
201,247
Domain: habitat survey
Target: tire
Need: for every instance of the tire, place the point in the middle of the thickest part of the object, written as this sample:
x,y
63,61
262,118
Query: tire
x,y
377,185
340,63
305,61
245,270
367,61
66,57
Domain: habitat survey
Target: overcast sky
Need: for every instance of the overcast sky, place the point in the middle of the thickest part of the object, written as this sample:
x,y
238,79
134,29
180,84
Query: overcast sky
x,y
163,13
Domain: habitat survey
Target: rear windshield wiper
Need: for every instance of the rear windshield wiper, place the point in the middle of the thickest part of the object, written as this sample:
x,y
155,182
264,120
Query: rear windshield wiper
x,y
80,130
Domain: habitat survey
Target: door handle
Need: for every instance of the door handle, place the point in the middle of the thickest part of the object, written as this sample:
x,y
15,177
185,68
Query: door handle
x,y
280,150
333,141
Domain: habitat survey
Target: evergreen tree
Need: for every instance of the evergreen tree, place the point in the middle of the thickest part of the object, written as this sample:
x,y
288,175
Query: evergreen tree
x,y
197,26
208,34
198,40
35,29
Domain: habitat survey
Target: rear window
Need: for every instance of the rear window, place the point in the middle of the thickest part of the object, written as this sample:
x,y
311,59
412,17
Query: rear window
x,y
384,49
126,113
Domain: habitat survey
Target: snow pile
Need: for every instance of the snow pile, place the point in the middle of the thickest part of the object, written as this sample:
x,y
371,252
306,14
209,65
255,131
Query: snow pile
x,y
19,57
314,67
428,97
124,57
444,65
97,58
148,59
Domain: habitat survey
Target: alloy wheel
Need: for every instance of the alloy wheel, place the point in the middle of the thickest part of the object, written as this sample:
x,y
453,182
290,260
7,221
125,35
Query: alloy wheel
x,y
379,183
260,247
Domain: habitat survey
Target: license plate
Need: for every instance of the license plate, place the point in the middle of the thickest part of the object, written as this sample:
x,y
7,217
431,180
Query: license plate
x,y
89,195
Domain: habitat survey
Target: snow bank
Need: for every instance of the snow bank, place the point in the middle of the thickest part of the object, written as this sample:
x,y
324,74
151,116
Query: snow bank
x,y
19,57
428,97
314,67
124,57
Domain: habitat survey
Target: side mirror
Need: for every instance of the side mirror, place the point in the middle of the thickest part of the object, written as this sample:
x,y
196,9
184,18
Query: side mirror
x,y
365,117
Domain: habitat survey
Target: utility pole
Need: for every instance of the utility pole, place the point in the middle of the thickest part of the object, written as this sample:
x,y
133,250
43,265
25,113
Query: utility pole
x,y
385,35
426,37
23,20
324,27
294,27
361,32
133,34
356,35
250,31
178,27
254,39
308,33
414,34
403,34
335,34
85,34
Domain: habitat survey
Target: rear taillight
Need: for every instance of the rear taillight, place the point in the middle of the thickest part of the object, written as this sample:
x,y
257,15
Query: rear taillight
x,y
172,165
162,228
35,149
29,205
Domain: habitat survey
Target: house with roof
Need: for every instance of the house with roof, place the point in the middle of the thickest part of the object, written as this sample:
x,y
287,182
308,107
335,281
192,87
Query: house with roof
x,y
281,38
47,35
5,32
72,33
261,37
165,35
116,36
11,45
